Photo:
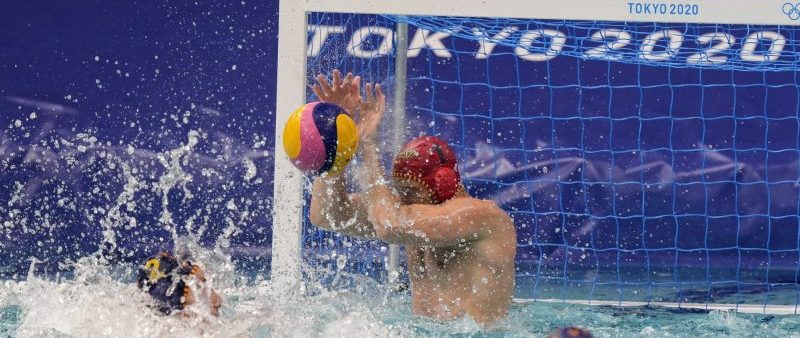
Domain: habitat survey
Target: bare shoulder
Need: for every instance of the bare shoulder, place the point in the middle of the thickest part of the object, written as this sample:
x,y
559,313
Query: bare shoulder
x,y
501,235
485,209
495,219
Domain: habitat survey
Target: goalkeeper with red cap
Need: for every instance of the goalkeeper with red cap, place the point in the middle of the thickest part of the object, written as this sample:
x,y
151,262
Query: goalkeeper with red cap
x,y
460,250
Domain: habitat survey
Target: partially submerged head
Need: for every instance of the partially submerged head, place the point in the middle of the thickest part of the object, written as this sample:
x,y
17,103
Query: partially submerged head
x,y
570,332
166,279
425,171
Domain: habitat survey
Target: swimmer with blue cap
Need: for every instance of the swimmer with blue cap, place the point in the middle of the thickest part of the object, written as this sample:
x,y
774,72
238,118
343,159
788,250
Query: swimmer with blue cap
x,y
570,332
167,280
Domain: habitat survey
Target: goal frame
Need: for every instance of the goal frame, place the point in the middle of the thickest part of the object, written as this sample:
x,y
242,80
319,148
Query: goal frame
x,y
287,218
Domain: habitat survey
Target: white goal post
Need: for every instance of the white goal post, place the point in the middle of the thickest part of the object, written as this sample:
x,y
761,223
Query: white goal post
x,y
292,84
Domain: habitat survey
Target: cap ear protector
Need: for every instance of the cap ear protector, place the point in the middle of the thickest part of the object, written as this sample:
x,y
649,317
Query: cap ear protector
x,y
153,265
444,178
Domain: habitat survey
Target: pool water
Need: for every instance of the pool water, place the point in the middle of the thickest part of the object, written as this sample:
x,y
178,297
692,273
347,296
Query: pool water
x,y
100,299
97,301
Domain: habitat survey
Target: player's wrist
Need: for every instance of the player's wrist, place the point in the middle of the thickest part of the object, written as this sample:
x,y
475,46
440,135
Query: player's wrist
x,y
377,181
369,148
329,180
369,141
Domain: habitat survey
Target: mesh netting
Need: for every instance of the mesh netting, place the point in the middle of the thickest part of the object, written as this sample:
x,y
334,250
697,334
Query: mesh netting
x,y
640,161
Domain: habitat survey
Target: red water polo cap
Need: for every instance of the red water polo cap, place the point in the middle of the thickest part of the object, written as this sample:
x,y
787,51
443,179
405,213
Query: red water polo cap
x,y
431,162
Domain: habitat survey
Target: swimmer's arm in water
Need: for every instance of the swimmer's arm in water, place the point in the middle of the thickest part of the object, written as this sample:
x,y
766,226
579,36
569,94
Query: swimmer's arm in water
x,y
215,300
333,209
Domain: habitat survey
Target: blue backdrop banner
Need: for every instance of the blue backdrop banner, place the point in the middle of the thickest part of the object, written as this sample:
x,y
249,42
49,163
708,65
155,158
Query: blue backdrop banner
x,y
126,125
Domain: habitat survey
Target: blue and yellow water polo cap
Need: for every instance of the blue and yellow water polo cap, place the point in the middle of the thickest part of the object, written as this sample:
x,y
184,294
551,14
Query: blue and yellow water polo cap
x,y
162,277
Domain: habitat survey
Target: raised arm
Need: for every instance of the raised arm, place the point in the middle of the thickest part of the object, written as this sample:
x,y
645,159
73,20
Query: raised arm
x,y
333,209
460,220
456,221
331,206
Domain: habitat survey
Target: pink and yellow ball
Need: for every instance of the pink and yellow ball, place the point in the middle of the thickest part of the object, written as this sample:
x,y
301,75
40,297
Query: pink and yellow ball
x,y
320,137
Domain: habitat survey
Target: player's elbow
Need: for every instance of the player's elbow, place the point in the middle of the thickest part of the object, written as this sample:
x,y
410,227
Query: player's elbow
x,y
389,229
382,226
392,236
383,233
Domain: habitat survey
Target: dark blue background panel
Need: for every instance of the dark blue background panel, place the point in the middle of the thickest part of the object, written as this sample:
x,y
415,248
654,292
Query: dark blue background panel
x,y
125,125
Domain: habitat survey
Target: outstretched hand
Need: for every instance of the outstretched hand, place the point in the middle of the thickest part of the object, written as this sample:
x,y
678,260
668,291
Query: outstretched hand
x,y
344,92
372,109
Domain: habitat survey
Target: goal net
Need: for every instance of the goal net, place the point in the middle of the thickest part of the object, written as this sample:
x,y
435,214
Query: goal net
x,y
640,161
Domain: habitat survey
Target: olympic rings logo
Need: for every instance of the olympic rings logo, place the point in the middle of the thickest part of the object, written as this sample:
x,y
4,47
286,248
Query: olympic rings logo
x,y
791,10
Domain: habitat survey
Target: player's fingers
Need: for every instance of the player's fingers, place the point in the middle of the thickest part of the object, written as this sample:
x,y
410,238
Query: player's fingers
x,y
356,87
378,91
370,94
337,79
380,96
316,90
323,82
346,99
347,80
